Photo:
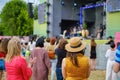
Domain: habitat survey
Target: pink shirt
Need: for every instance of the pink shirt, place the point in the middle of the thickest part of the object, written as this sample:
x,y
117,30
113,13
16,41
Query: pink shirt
x,y
17,69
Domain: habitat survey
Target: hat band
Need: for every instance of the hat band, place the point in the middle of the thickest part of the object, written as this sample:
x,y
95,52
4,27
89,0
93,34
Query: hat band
x,y
76,46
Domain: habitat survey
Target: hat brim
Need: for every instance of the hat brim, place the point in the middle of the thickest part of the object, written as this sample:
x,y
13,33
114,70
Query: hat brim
x,y
70,49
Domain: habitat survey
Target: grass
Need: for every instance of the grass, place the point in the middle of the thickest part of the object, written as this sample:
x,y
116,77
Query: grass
x,y
97,41
97,75
94,75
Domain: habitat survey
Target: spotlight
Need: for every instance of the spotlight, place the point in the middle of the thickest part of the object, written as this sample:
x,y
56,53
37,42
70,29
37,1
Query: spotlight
x,y
74,4
62,3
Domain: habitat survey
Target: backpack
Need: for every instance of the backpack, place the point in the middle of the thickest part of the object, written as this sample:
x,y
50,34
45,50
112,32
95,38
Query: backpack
x,y
51,54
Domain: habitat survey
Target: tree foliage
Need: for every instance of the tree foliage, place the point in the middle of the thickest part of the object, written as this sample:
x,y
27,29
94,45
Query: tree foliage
x,y
36,12
15,19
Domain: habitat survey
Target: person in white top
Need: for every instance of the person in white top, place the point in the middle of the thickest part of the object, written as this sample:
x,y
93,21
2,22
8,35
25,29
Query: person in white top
x,y
110,55
32,44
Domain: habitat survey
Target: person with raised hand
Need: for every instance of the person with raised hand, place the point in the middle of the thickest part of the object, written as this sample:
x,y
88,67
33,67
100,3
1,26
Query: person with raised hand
x,y
15,64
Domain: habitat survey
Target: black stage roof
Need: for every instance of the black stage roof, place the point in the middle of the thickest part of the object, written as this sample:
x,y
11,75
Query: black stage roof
x,y
88,1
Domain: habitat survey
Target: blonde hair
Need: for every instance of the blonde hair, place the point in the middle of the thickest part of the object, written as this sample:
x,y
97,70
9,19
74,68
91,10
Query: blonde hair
x,y
14,48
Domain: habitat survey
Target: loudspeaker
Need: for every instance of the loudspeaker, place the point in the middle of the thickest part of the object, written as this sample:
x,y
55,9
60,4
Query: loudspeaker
x,y
30,10
48,31
48,13
48,4
48,22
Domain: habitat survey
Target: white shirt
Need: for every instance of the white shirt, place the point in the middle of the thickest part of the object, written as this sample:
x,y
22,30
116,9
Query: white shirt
x,y
32,46
110,54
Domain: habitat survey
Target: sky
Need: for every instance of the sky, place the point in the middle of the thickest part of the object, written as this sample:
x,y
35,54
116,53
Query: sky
x,y
3,2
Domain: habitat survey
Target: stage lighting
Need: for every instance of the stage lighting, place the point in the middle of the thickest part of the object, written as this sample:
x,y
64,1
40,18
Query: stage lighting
x,y
62,3
74,4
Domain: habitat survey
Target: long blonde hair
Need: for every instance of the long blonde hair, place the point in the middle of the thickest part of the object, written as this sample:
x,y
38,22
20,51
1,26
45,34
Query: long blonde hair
x,y
14,48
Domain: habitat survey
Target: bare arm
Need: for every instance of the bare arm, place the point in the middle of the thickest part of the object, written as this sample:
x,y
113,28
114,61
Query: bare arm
x,y
63,68
116,67
89,50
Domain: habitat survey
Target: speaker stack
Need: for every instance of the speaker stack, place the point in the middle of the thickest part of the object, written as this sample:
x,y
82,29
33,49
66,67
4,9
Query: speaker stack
x,y
30,10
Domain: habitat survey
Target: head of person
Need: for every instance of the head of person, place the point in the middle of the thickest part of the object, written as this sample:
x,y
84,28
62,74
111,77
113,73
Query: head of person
x,y
14,48
32,39
110,38
4,44
62,43
40,42
74,47
93,43
48,40
26,43
112,45
52,40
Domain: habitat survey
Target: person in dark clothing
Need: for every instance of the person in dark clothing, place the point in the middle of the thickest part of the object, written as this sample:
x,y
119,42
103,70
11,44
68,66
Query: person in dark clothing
x,y
110,40
93,53
61,53
101,31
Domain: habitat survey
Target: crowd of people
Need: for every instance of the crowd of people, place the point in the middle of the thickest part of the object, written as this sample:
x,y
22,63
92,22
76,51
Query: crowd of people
x,y
39,58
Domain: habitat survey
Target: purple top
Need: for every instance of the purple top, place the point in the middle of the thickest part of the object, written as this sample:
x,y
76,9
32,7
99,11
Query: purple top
x,y
41,67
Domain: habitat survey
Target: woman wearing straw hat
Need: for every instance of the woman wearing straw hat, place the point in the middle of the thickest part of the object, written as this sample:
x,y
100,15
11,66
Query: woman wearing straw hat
x,y
75,66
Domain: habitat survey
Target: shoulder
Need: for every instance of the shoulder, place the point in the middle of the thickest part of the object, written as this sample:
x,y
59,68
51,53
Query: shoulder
x,y
20,59
85,57
109,50
64,61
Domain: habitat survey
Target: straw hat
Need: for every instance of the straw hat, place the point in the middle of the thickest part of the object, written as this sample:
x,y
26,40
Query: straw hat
x,y
75,45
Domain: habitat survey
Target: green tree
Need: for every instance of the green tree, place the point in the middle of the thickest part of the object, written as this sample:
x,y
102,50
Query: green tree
x,y
15,19
36,12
